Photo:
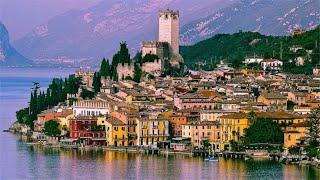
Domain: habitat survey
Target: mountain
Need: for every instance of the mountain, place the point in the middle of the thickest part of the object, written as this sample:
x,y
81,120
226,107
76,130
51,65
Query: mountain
x,y
8,55
271,17
235,47
96,32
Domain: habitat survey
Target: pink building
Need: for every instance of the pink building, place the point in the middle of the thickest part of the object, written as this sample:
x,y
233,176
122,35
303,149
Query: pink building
x,y
193,101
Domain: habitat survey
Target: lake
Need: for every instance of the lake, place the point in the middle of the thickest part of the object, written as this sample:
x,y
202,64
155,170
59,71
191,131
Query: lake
x,y
21,161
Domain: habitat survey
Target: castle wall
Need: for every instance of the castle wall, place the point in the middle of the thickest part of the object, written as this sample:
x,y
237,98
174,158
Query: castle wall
x,y
125,70
152,66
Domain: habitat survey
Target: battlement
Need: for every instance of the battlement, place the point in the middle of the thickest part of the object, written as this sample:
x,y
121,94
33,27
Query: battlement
x,y
155,44
169,13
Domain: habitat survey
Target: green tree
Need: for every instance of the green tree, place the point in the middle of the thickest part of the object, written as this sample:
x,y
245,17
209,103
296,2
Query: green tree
x,y
115,76
137,73
96,83
264,131
252,117
51,128
124,55
86,94
105,68
314,133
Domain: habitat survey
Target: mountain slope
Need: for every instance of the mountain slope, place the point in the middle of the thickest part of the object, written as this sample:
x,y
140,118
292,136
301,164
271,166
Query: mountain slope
x,y
96,32
271,17
8,55
234,47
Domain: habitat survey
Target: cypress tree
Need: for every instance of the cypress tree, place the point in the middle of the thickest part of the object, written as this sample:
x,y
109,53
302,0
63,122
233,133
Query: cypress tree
x,y
137,73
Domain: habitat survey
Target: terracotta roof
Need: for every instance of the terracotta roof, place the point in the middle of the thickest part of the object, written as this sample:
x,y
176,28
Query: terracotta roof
x,y
301,124
114,121
261,115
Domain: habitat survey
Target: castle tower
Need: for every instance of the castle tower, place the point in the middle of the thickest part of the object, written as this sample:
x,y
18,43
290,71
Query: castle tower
x,y
169,29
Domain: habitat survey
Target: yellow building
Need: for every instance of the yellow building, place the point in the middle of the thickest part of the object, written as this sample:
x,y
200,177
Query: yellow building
x,y
202,130
274,101
116,132
232,128
233,125
64,122
294,134
152,130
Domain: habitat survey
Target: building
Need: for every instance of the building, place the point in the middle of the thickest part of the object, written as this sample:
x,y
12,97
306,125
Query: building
x,y
125,70
176,122
274,101
295,135
50,114
169,29
232,126
87,131
299,61
199,131
271,64
152,130
116,132
86,77
301,98
91,108
161,49
253,59
316,70
187,101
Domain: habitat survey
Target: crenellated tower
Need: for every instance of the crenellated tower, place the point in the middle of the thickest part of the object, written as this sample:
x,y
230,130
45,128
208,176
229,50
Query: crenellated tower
x,y
169,29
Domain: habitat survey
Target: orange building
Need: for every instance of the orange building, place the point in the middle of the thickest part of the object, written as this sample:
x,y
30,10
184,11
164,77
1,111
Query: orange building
x,y
50,114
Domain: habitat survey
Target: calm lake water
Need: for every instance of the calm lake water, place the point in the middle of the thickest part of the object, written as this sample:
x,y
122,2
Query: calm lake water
x,y
20,161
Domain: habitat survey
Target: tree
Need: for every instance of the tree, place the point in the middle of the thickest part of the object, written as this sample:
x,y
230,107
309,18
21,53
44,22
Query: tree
x,y
252,117
264,131
105,68
86,94
51,128
115,76
124,55
137,73
96,82
314,133
294,150
138,57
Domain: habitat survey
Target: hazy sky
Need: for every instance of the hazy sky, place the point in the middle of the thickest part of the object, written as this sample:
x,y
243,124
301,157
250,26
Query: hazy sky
x,y
21,16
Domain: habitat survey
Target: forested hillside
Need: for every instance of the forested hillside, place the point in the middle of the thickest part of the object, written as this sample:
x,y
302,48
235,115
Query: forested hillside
x,y
235,47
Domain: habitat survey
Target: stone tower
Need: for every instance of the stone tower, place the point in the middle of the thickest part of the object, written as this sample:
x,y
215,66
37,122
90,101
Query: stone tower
x,y
169,29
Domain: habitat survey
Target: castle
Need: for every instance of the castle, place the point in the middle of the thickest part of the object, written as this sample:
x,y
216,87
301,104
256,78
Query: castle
x,y
166,47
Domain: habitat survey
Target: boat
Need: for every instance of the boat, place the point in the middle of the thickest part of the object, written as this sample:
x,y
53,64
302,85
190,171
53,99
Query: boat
x,y
212,159
247,158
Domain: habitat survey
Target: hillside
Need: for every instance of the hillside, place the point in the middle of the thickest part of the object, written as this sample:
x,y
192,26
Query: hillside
x,y
270,17
8,55
234,47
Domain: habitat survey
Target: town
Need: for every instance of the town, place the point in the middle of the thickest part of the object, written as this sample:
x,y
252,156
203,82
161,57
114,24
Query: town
x,y
139,103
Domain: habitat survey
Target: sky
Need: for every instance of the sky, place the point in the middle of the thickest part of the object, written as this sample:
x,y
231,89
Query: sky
x,y
21,16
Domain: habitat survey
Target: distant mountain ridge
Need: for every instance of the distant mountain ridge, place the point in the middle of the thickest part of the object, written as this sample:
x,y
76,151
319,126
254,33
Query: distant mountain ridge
x,y
8,55
270,17
97,31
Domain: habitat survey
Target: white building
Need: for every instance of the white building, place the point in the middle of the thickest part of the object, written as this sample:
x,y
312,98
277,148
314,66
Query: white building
x,y
272,64
90,108
250,60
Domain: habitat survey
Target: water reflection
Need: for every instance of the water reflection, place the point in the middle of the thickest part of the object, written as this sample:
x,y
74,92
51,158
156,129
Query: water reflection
x,y
72,164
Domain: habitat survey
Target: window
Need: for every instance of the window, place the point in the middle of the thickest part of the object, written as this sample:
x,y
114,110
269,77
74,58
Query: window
x,y
289,137
122,128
